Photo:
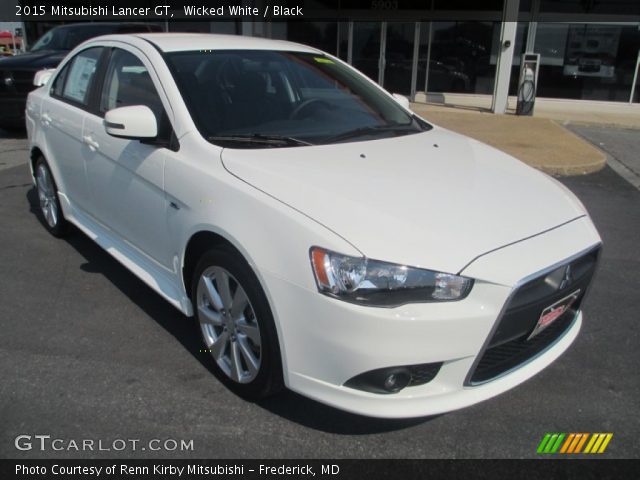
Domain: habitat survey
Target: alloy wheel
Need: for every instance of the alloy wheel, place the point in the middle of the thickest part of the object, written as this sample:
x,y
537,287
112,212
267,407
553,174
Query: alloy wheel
x,y
229,324
47,195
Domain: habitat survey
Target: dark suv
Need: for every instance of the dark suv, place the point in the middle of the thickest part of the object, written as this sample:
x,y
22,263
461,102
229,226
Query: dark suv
x,y
16,73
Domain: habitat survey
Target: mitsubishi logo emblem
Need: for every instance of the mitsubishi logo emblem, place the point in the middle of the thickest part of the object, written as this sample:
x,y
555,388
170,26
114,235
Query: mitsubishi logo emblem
x,y
567,278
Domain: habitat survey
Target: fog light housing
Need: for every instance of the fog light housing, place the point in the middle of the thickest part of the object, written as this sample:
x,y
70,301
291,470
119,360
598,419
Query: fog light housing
x,y
393,379
396,381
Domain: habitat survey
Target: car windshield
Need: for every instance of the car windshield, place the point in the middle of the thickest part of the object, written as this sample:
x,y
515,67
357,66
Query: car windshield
x,y
67,38
262,98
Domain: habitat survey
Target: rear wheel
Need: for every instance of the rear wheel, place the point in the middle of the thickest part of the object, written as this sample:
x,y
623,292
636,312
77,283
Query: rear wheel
x,y
237,324
48,198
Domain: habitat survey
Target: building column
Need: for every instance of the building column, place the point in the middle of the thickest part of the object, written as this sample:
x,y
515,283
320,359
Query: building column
x,y
505,55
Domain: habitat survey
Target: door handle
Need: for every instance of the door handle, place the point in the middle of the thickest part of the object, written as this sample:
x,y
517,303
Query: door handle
x,y
45,119
93,145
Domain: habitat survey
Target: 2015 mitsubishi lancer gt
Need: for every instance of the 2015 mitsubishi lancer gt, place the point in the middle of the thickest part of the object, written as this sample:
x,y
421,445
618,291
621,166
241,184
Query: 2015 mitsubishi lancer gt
x,y
325,238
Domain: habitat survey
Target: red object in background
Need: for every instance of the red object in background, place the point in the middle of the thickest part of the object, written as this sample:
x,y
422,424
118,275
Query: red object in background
x,y
5,34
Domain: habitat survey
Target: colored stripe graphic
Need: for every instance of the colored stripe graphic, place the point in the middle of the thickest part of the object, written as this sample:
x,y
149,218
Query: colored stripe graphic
x,y
572,443
581,443
567,443
605,443
543,443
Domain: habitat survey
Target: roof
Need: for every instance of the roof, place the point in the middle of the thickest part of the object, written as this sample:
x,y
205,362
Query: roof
x,y
177,42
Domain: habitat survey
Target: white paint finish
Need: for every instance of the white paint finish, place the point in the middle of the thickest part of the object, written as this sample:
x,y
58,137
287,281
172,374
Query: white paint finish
x,y
134,122
61,126
434,397
126,180
509,265
42,77
407,201
158,279
333,340
176,42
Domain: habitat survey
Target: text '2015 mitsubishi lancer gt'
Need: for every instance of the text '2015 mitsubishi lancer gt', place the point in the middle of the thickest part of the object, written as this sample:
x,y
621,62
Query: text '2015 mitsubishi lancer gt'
x,y
325,238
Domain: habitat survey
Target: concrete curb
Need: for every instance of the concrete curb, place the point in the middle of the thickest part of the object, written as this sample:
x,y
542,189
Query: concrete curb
x,y
542,143
576,169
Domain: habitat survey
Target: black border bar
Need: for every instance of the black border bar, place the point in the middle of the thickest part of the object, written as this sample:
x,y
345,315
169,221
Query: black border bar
x,y
392,10
160,469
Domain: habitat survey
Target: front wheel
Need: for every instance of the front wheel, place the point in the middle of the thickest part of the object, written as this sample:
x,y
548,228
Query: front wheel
x,y
237,324
48,198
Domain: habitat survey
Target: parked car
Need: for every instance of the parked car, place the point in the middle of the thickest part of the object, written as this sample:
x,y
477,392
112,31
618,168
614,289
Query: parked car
x,y
324,237
16,73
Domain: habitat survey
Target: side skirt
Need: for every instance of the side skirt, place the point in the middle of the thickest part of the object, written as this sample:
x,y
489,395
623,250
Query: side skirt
x,y
159,279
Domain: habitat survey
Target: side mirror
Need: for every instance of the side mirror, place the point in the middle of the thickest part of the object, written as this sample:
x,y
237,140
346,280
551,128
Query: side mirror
x,y
135,122
402,100
42,77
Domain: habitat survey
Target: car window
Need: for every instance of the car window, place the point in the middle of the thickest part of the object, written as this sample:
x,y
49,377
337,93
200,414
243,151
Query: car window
x,y
127,83
81,76
68,37
303,96
58,83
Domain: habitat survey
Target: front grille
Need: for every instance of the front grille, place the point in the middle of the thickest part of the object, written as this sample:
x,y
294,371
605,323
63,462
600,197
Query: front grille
x,y
509,345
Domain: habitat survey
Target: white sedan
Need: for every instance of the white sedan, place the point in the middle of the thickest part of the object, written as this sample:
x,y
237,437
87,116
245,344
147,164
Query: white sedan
x,y
325,238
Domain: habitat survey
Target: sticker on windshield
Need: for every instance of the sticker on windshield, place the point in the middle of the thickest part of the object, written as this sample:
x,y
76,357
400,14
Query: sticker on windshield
x,y
323,60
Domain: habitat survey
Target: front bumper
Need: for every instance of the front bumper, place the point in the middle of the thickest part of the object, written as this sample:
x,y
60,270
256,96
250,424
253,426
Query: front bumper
x,y
325,342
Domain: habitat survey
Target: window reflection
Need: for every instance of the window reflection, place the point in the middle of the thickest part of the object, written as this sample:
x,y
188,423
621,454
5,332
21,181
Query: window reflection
x,y
587,61
463,56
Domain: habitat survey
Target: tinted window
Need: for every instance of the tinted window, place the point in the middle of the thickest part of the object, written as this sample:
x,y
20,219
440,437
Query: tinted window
x,y
58,84
128,83
303,95
80,78
67,38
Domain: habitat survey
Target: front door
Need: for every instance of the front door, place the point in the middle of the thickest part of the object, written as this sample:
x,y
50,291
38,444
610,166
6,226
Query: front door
x,y
126,177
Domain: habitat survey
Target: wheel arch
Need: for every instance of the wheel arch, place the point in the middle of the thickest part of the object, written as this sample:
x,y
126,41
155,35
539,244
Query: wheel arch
x,y
196,246
204,239
34,155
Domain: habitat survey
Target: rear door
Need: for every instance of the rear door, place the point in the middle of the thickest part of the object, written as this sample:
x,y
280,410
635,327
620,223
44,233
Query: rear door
x,y
62,117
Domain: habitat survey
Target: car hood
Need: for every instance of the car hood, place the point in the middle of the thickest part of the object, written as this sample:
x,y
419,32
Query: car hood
x,y
435,200
33,60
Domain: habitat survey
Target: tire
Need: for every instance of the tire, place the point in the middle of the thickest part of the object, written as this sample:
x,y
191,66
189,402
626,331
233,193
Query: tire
x,y
47,191
236,324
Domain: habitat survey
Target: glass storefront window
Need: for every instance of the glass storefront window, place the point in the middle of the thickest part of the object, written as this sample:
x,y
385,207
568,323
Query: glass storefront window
x,y
366,48
590,6
191,27
399,57
343,41
321,35
469,5
586,61
463,57
518,49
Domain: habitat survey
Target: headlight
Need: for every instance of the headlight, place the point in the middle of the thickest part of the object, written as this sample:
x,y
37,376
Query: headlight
x,y
371,282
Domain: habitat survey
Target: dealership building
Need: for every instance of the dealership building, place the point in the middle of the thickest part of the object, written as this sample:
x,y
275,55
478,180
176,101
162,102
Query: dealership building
x,y
588,49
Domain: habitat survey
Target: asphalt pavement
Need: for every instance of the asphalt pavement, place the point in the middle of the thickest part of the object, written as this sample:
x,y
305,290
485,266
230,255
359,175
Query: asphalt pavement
x,y
87,351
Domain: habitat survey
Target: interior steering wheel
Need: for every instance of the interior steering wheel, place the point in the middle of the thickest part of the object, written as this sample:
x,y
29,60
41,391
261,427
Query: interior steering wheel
x,y
312,101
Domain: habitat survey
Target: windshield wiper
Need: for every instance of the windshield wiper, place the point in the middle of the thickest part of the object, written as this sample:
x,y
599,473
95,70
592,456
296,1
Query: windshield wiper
x,y
259,138
390,127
